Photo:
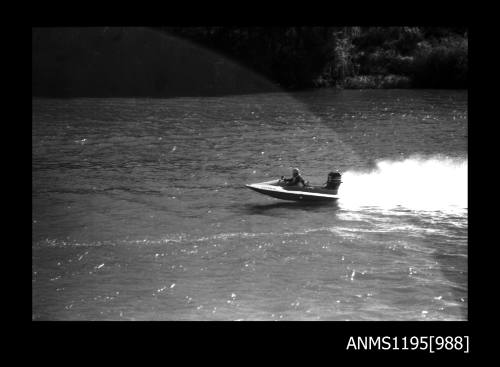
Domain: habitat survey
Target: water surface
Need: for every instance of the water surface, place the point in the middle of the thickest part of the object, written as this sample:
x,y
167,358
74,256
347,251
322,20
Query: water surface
x,y
139,210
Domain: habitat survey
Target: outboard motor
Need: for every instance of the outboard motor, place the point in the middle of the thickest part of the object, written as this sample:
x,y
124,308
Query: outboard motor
x,y
333,182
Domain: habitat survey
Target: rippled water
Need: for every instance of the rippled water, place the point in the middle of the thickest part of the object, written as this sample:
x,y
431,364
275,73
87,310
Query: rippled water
x,y
140,212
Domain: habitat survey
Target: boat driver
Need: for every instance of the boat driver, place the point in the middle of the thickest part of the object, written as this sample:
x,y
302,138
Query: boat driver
x,y
295,180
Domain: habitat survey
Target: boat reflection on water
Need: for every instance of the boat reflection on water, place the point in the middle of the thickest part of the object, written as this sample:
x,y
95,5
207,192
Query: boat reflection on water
x,y
291,205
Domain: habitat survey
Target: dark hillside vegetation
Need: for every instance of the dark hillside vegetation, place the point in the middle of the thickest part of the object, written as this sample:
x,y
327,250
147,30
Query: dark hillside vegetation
x,y
374,57
173,61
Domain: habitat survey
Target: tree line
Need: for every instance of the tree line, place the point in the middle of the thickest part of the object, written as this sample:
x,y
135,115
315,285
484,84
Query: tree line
x,y
160,62
349,57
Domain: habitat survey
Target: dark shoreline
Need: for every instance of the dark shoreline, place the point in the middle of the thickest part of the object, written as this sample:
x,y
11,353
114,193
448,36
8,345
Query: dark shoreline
x,y
165,63
297,90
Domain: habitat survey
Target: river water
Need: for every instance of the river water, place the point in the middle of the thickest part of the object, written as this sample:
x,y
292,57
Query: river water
x,y
139,210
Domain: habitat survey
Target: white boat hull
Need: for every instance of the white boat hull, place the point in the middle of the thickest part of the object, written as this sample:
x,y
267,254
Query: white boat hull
x,y
294,193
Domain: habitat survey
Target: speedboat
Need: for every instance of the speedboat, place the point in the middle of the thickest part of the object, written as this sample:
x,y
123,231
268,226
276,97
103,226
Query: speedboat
x,y
278,189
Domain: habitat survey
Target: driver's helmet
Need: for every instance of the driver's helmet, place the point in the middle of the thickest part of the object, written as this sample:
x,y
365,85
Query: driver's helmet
x,y
295,171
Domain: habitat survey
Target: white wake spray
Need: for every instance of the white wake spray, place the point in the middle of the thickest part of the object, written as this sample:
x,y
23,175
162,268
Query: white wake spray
x,y
416,183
